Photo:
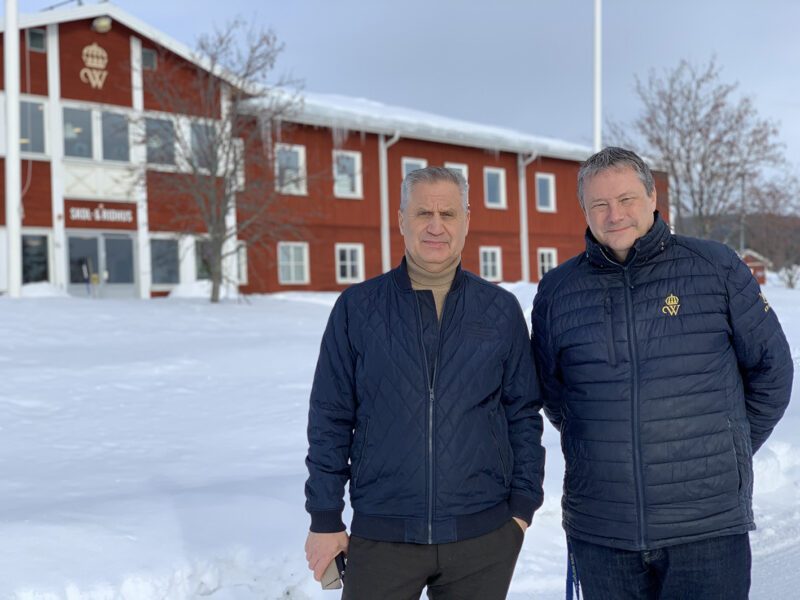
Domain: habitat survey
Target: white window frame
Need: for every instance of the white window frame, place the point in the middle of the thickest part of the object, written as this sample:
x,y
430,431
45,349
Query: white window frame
x,y
358,193
241,264
176,124
503,196
411,159
349,246
462,167
552,179
28,40
498,252
306,263
549,251
299,188
94,120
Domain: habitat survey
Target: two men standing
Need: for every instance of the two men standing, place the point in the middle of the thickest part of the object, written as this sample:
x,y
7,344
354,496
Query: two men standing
x,y
661,363
425,400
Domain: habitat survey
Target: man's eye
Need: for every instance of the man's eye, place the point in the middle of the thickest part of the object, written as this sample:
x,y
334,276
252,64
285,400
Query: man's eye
x,y
600,205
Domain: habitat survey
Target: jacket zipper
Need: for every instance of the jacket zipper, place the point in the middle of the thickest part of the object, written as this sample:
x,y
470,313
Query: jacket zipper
x,y
430,382
612,352
637,449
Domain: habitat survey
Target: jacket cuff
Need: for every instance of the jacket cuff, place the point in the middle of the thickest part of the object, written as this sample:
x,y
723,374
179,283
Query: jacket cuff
x,y
327,521
522,507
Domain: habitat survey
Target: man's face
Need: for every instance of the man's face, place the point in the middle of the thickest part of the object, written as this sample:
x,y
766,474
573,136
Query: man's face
x,y
434,224
618,209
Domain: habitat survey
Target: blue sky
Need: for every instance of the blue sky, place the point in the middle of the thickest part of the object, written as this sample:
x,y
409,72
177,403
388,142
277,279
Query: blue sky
x,y
523,64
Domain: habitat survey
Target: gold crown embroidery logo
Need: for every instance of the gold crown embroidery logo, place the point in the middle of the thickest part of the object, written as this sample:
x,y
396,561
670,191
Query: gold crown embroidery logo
x,y
95,58
671,305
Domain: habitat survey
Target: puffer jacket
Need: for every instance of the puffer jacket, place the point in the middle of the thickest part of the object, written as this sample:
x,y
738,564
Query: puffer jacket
x,y
664,375
435,427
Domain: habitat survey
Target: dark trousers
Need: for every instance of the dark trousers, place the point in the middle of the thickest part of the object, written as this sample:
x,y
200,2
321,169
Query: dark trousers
x,y
479,568
712,569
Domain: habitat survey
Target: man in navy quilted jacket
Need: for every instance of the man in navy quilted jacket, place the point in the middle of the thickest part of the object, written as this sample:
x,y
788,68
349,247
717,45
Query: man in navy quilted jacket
x,y
425,401
665,368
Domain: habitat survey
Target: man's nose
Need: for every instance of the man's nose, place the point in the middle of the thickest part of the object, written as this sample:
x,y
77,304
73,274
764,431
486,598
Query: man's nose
x,y
615,212
435,225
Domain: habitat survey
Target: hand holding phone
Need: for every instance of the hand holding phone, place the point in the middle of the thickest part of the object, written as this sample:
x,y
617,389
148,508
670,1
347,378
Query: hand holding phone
x,y
334,574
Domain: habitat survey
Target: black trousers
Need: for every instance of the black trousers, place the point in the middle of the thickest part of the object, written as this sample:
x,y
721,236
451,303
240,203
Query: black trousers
x,y
479,568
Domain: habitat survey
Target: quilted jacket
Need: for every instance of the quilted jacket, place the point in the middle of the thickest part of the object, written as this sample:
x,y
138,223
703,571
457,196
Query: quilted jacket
x,y
664,374
435,427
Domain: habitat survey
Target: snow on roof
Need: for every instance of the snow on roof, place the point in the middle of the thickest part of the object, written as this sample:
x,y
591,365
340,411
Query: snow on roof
x,y
360,114
90,11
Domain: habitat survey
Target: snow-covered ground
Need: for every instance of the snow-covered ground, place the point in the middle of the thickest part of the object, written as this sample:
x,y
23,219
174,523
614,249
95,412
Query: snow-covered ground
x,y
155,450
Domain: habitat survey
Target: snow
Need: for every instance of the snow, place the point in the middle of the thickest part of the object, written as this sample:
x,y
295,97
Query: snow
x,y
154,449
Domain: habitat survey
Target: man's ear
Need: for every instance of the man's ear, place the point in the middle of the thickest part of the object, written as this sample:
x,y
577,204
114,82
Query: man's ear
x,y
400,221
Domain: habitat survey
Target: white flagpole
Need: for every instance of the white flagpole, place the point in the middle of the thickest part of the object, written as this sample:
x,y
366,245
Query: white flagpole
x,y
12,163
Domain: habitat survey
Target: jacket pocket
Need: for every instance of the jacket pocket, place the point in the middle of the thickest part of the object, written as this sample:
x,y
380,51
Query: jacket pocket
x,y
503,468
609,320
362,453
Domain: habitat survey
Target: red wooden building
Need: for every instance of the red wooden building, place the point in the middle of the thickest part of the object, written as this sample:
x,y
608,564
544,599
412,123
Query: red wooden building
x,y
97,145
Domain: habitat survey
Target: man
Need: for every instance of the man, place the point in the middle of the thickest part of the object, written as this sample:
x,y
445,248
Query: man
x,y
665,369
425,400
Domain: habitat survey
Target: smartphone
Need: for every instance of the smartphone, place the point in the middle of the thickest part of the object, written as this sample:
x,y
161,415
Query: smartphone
x,y
334,574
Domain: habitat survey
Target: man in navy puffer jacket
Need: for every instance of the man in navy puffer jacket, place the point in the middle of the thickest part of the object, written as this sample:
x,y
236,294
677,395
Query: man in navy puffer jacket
x,y
665,369
425,400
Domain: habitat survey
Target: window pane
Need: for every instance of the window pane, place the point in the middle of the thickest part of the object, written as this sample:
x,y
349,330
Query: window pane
x,y
286,273
78,133
83,262
115,137
288,168
37,40
284,254
492,188
149,59
543,192
411,165
203,145
164,261
299,273
34,258
160,135
202,249
345,180
119,260
31,126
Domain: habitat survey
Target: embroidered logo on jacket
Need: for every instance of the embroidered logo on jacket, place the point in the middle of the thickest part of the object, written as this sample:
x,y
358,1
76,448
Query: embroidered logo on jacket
x,y
764,300
671,305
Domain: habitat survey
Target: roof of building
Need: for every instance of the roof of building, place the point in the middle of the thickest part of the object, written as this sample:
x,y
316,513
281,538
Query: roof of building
x,y
341,112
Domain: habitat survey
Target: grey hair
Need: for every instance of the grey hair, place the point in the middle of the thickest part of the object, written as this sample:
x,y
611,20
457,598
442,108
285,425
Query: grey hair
x,y
433,175
613,157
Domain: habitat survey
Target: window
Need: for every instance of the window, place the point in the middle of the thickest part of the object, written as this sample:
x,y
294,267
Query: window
x,y
115,137
548,260
545,192
34,258
160,134
37,40
293,263
149,59
203,146
77,133
202,259
349,263
31,126
412,164
347,174
290,169
458,167
164,261
494,187
491,263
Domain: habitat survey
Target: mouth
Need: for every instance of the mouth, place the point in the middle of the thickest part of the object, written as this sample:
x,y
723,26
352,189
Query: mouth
x,y
434,243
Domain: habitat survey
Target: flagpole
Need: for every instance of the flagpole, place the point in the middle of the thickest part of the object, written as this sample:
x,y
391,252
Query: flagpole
x,y
598,75
12,163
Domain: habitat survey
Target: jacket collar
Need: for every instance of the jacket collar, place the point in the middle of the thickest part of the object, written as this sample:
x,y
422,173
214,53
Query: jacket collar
x,y
402,280
651,244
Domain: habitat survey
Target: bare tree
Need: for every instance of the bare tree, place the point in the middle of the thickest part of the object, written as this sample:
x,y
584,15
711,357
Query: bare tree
x,y
232,106
707,139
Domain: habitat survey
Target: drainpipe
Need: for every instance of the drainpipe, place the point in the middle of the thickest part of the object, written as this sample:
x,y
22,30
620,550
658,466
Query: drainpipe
x,y
13,167
522,165
383,147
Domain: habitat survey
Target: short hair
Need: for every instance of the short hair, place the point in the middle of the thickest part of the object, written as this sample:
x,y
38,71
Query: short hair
x,y
613,157
433,175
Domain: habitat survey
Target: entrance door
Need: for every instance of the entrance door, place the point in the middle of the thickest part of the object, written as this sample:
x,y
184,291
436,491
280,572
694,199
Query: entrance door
x,y
101,265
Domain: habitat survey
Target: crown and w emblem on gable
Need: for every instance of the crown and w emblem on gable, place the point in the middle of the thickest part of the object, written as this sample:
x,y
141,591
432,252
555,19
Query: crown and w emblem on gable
x,y
671,305
94,73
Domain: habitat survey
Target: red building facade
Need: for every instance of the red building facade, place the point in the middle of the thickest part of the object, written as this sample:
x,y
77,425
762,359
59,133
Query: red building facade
x,y
100,215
